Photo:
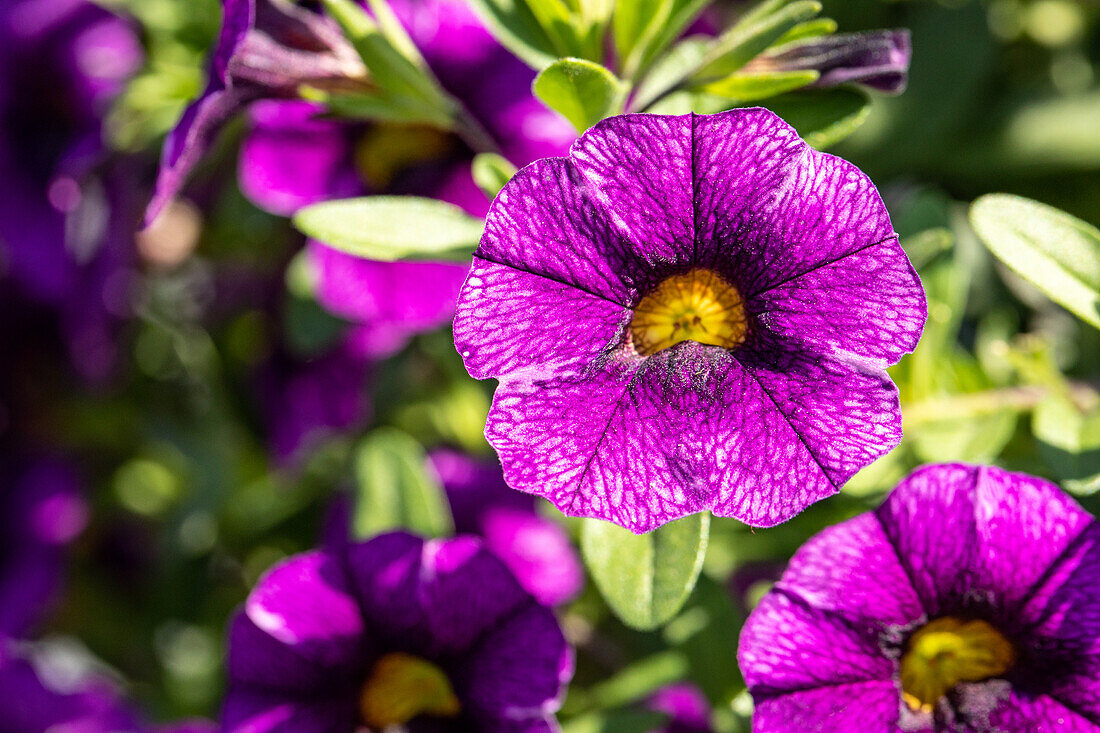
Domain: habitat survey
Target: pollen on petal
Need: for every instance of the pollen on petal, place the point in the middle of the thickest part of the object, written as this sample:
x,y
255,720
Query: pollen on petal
x,y
699,306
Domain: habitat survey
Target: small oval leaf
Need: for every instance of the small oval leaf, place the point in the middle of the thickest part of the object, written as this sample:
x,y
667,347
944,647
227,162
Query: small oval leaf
x,y
392,228
822,117
646,579
491,172
582,91
1057,253
394,488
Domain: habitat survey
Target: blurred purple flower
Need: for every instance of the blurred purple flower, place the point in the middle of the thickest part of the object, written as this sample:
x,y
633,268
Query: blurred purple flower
x,y
390,301
36,696
969,601
65,214
689,313
686,705
427,635
537,550
306,401
266,49
42,509
877,59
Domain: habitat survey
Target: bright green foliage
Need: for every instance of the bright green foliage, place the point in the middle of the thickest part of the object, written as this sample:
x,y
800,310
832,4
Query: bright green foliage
x,y
392,228
646,578
583,92
1055,252
491,172
394,488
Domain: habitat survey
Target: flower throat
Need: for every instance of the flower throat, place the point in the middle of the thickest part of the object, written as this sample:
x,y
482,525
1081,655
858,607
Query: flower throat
x,y
947,651
699,305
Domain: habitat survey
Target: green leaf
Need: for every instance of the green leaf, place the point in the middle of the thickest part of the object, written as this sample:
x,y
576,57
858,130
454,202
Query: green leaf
x,y
397,74
1069,440
823,117
515,25
646,579
645,28
751,37
393,228
582,91
750,87
1057,253
394,489
616,721
669,70
491,172
809,29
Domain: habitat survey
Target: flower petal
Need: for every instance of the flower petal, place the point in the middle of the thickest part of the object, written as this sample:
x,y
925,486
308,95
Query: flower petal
x,y
260,712
851,570
805,424
306,603
547,222
868,305
787,645
466,591
519,668
864,706
509,321
978,537
385,573
639,167
290,159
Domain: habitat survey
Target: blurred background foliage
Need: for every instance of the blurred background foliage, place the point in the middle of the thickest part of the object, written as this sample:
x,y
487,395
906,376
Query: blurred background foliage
x,y
189,506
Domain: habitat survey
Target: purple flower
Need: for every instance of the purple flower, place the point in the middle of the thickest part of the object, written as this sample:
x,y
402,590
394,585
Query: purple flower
x,y
266,49
969,601
39,696
391,301
689,313
537,550
305,402
42,509
64,216
686,706
878,59
430,635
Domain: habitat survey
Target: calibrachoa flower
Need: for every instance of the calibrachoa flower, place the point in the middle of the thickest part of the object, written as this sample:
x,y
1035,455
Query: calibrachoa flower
x,y
42,509
689,313
686,706
41,696
969,601
430,635
878,59
537,550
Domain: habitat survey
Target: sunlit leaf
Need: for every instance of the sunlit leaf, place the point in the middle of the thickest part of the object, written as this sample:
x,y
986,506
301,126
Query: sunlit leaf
x,y
394,489
582,91
1057,253
646,579
491,172
392,228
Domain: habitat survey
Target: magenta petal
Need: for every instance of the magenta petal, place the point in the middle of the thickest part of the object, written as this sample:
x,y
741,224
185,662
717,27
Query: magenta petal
x,y
520,667
305,603
290,159
549,219
257,660
457,617
264,712
1005,531
648,198
851,570
787,645
386,577
536,550
515,322
860,706
1039,714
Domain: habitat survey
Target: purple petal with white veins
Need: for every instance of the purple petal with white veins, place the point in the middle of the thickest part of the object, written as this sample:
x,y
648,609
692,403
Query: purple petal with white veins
x,y
870,707
787,645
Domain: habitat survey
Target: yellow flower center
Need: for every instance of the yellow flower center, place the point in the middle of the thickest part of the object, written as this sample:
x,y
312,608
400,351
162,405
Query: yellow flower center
x,y
947,651
401,687
696,306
